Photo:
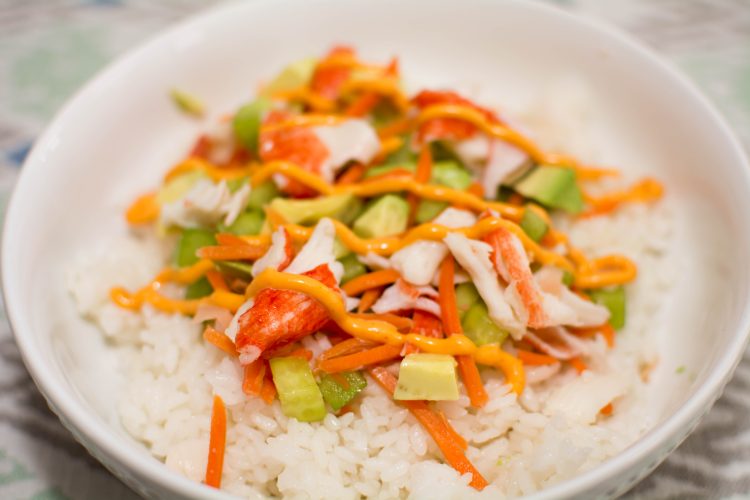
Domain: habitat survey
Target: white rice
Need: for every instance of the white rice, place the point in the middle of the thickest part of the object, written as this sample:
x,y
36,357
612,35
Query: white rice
x,y
379,451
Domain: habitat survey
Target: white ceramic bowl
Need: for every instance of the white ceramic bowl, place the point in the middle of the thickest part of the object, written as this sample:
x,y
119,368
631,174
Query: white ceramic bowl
x,y
116,137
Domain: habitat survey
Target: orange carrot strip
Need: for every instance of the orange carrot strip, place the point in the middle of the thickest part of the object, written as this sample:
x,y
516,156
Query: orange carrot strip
x,y
609,334
216,443
399,322
255,373
352,175
607,409
369,298
247,252
422,175
396,127
226,239
268,391
301,352
362,105
144,209
578,364
456,436
220,340
535,359
452,326
437,427
217,280
476,189
348,346
357,360
370,280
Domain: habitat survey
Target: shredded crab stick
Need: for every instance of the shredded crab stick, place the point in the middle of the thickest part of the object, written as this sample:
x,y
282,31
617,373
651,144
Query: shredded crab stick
x,y
448,440
217,443
452,326
281,317
369,281
382,332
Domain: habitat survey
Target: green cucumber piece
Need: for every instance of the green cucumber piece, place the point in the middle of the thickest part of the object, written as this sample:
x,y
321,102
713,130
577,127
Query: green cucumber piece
x,y
261,195
480,328
466,296
338,395
295,75
428,210
298,392
201,288
352,267
387,216
429,377
450,174
189,243
247,223
247,121
177,187
235,269
533,225
309,211
614,300
552,186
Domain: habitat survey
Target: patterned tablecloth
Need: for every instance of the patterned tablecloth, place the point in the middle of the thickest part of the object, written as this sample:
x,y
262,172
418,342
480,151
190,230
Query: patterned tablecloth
x,y
49,48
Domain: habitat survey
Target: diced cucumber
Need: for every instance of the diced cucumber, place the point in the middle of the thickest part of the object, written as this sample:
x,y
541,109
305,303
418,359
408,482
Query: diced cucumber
x,y
450,174
387,216
552,186
201,288
466,296
309,211
247,122
298,392
404,154
261,195
614,300
533,224
352,268
340,389
249,222
177,187
567,278
480,328
236,269
428,210
429,377
295,75
187,102
234,184
409,166
189,243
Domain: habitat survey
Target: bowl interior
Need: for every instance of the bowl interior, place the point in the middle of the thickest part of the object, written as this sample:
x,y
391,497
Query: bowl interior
x,y
117,137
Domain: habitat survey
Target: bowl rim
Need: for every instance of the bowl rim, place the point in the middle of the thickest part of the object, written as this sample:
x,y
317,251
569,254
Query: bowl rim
x,y
93,432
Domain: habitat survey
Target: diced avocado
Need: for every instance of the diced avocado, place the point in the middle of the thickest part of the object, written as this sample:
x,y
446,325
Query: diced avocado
x,y
200,288
466,296
340,389
298,392
614,300
450,174
261,195
189,243
237,269
249,222
247,121
352,268
552,186
429,377
533,224
428,210
297,74
177,187
480,328
310,211
387,216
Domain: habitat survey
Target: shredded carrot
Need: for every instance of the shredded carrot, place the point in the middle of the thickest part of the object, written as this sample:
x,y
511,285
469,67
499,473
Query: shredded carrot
x,y
396,127
456,436
369,298
516,199
452,326
254,375
578,364
220,340
227,239
217,280
353,174
437,427
399,322
363,104
535,359
216,443
607,409
422,175
348,346
357,360
301,352
476,189
268,391
370,280
144,209
234,252
606,330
